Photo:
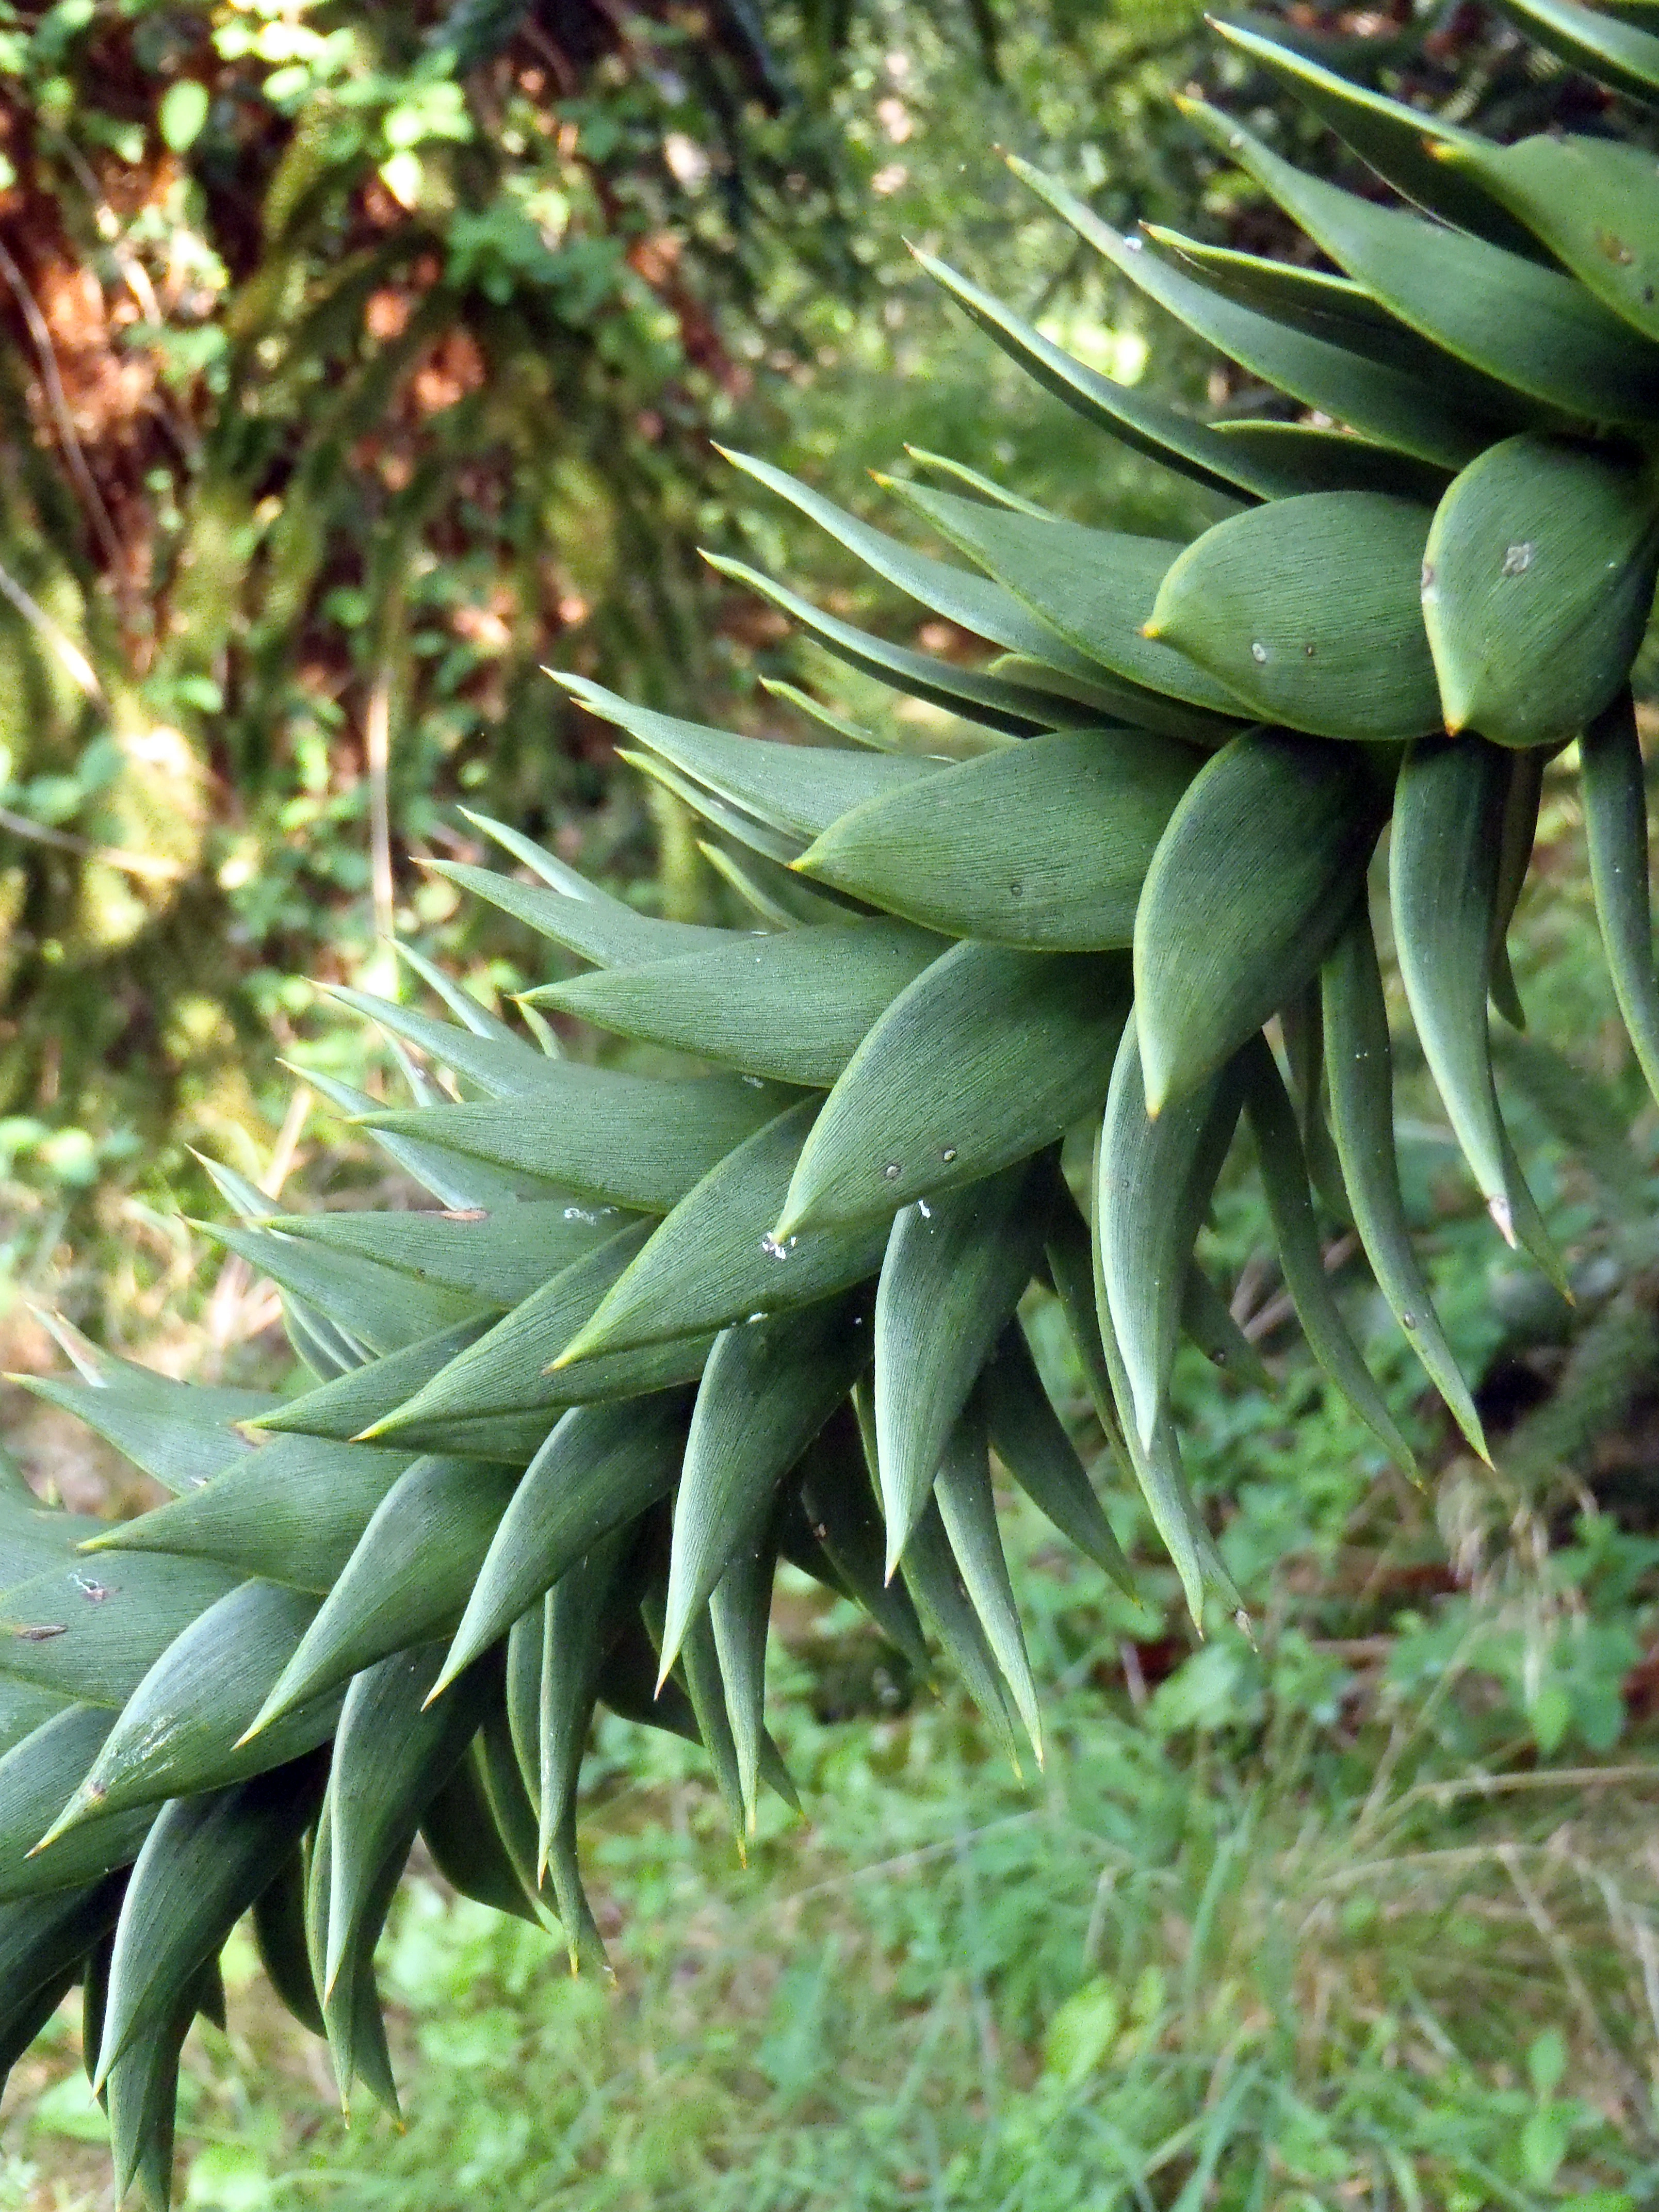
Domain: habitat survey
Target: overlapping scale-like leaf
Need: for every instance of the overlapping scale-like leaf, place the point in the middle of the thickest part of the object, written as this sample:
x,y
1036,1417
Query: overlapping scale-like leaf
x,y
1255,873
1537,584
1412,148
1327,351
1044,846
1310,611
795,1005
990,1055
1528,326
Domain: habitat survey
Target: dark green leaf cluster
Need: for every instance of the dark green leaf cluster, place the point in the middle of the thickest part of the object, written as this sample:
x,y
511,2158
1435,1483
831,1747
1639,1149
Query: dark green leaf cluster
x,y
666,1333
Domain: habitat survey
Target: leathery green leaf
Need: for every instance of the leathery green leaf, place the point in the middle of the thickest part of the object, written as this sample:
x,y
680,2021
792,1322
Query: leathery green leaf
x,y
1290,1202
1044,846
1031,1441
141,2095
495,1259
179,1433
625,1139
509,1372
795,1005
1617,54
1335,460
22,1710
383,1309
1614,793
799,789
36,1775
955,1268
451,1178
352,2019
1141,421
1334,308
89,1634
1520,833
459,1831
1416,151
279,1937
1531,327
1156,1464
320,1344
1014,705
579,1619
935,1581
715,1261
1154,1180
43,1942
505,1371
988,1056
967,1506
1207,1322
940,464
1108,700
628,1682
779,847
699,1667
1443,852
35,1538
844,1517
341,1409
521,1689
1096,587
290,1511
1537,583
203,1862
989,609
1308,609
1073,1257
768,1389
740,1614
578,915
1593,201
500,1068
1355,374
410,1574
469,1011
179,1730
393,1751
1254,877
1359,1079
602,1466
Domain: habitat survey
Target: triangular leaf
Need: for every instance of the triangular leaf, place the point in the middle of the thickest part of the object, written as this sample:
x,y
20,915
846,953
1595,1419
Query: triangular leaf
x,y
1253,878
1308,609
768,1388
1537,584
1045,845
621,1139
955,1269
1358,1068
714,1261
1531,327
987,1058
408,1578
795,1005
602,1466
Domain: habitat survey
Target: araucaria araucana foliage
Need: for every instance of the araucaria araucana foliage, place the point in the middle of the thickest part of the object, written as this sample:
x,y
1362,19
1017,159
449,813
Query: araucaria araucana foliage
x,y
666,1333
